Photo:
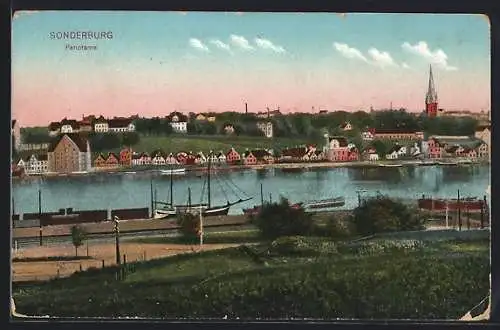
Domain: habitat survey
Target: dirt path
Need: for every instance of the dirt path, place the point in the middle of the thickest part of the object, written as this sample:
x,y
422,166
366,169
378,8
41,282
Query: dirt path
x,y
44,270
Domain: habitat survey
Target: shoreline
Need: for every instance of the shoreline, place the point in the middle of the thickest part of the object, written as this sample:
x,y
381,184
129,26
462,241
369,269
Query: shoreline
x,y
292,166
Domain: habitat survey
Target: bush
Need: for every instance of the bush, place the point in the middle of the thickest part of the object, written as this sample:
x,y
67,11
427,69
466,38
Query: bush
x,y
280,219
189,226
339,228
383,214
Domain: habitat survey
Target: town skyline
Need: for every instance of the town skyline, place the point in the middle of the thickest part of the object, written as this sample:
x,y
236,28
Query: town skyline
x,y
217,62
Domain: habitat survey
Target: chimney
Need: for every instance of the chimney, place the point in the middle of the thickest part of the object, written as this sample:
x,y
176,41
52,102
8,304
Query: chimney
x,y
268,114
246,108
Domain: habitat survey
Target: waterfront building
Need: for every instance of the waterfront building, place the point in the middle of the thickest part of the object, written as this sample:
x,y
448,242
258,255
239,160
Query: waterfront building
x,y
483,132
69,153
100,161
396,152
263,156
221,158
126,157
112,160
171,160
249,158
456,146
157,158
34,164
232,156
338,149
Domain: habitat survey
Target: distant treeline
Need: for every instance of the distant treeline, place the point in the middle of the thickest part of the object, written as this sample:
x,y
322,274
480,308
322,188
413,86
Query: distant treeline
x,y
285,125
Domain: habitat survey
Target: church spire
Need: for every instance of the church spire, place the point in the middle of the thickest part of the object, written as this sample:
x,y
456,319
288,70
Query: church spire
x,y
431,96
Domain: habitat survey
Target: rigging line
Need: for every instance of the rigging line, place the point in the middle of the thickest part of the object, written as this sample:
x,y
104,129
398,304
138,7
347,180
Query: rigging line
x,y
222,188
232,190
238,188
203,191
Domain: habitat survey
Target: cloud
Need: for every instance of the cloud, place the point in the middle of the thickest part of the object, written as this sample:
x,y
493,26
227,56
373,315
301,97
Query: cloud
x,y
198,44
381,58
241,42
221,45
404,65
267,44
437,57
349,52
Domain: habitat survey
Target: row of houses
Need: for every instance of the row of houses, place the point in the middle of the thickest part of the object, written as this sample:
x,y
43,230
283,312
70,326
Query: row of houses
x,y
232,157
92,124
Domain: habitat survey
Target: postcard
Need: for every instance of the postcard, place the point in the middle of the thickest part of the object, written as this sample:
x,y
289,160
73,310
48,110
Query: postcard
x,y
250,165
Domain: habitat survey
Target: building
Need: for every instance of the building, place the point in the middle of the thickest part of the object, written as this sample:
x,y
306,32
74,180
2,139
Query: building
x,y
69,126
120,125
455,146
101,125
54,128
483,132
141,159
16,134
269,113
298,154
69,153
232,156
338,149
431,98
249,158
171,160
398,134
396,152
157,157
35,164
100,161
126,157
480,116
266,128
112,160
228,129
346,126
178,121
368,135
205,117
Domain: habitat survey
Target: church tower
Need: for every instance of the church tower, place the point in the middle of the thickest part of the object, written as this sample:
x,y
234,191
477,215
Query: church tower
x,y
431,99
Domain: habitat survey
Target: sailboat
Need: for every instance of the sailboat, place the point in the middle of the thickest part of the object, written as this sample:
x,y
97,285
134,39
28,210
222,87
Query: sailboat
x,y
207,208
167,210
257,208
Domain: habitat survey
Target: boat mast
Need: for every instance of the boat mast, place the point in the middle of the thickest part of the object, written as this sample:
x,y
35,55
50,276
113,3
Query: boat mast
x,y
208,180
171,187
261,196
189,199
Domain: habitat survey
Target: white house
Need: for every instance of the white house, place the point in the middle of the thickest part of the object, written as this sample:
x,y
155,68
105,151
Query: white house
x,y
66,129
367,135
346,126
373,157
121,125
178,121
212,157
200,158
101,125
392,155
221,158
266,128
157,158
171,160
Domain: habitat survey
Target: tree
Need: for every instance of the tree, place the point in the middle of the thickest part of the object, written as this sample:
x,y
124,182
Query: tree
x,y
280,219
130,138
383,214
78,237
189,226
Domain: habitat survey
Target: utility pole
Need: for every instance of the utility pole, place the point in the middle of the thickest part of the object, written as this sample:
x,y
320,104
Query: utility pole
x,y
152,206
459,214
201,226
117,239
40,215
261,196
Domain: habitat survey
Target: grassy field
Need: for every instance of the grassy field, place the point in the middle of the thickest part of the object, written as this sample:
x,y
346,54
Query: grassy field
x,y
291,277
176,143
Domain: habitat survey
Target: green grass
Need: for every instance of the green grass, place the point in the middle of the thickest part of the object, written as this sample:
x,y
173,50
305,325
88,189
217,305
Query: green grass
x,y
177,143
290,277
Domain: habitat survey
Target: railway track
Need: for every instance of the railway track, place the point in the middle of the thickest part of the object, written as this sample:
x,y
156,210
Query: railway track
x,y
24,242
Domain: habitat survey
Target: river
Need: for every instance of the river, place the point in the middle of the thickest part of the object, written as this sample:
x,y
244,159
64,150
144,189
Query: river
x,y
129,190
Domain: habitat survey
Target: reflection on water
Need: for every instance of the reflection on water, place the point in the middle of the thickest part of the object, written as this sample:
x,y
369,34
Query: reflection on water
x,y
100,191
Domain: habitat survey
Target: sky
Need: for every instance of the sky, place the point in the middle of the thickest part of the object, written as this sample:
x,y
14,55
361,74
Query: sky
x,y
153,63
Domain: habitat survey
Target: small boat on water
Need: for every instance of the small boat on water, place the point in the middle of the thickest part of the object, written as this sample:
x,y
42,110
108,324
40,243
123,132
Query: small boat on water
x,y
173,171
325,203
427,163
447,163
390,165
464,162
